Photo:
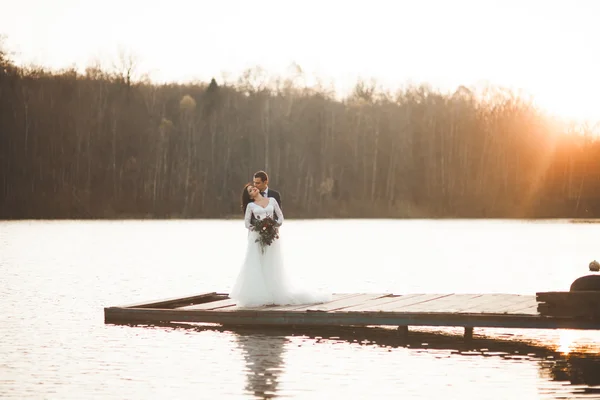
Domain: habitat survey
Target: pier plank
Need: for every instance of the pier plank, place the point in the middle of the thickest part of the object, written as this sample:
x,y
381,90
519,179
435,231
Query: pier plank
x,y
347,302
527,309
399,304
585,304
117,315
213,305
477,303
175,301
502,304
296,307
440,304
460,299
379,304
361,309
518,307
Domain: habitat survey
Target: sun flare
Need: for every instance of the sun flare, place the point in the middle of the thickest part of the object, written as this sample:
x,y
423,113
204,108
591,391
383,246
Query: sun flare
x,y
565,341
578,105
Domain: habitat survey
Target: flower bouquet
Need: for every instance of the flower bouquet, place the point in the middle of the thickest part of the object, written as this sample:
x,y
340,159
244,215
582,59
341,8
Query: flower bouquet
x,y
267,231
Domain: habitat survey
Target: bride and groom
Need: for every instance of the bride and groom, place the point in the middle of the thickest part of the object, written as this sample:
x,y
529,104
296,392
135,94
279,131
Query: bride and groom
x,y
263,279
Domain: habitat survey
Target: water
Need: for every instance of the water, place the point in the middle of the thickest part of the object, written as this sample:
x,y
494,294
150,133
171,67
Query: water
x,y
56,277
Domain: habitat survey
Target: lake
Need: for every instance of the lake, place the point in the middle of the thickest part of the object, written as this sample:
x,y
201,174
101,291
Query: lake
x,y
56,277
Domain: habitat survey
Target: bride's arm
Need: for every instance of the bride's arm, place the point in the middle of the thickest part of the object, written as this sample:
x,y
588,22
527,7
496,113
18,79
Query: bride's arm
x,y
279,213
248,216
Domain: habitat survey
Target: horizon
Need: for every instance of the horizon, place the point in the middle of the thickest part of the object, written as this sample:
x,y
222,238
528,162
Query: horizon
x,y
542,49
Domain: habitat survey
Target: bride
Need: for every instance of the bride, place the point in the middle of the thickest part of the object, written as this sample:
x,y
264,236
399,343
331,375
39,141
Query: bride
x,y
262,279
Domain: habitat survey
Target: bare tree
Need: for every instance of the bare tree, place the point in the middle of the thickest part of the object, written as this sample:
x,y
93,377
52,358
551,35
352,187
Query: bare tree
x,y
110,144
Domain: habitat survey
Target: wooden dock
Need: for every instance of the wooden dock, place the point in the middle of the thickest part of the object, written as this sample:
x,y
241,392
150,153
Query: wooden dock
x,y
363,309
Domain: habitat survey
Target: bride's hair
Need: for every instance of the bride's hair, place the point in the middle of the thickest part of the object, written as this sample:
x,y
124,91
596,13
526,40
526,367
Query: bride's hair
x,y
246,197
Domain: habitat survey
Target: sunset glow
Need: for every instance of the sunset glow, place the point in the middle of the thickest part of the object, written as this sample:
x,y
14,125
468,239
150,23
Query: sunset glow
x,y
566,340
544,48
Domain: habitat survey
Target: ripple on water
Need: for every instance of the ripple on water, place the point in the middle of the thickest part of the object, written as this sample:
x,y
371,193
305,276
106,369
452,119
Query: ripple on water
x,y
57,276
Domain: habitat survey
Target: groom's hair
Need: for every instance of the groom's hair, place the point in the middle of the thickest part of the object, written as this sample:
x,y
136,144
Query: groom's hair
x,y
262,175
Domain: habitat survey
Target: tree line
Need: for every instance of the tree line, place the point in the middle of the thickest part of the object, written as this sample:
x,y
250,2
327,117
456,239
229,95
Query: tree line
x,y
100,144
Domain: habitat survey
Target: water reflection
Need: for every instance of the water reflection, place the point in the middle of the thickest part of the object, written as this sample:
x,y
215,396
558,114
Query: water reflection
x,y
265,353
577,370
264,361
267,343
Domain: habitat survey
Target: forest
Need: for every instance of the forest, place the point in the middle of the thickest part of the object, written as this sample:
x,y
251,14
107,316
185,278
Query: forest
x,y
101,144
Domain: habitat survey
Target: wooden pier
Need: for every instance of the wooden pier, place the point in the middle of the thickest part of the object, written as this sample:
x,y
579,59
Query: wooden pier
x,y
368,309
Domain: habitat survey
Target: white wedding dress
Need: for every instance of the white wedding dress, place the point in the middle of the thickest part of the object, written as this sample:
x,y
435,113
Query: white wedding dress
x,y
262,279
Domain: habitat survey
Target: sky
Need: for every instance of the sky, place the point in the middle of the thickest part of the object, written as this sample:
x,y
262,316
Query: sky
x,y
546,48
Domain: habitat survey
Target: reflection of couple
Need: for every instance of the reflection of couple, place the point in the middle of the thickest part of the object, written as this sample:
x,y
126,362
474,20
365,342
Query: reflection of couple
x,y
263,279
264,360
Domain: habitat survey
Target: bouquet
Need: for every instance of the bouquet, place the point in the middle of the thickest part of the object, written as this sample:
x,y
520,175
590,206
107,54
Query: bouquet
x,y
267,231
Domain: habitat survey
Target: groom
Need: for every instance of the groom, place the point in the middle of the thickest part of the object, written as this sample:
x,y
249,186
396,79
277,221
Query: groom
x,y
261,182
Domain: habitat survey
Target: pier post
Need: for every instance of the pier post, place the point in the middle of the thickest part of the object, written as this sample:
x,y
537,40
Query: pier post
x,y
468,332
402,331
